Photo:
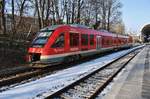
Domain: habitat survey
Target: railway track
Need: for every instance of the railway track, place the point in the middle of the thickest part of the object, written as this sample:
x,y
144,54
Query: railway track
x,y
13,71
29,74
89,86
25,68
18,77
19,74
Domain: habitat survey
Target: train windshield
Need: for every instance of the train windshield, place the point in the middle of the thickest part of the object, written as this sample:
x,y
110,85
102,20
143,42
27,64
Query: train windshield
x,y
41,39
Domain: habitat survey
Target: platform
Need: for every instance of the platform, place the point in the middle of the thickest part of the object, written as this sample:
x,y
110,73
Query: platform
x,y
134,81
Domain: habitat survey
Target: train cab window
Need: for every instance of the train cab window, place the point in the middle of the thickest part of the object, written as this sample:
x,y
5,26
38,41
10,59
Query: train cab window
x,y
41,38
74,39
60,41
84,39
92,40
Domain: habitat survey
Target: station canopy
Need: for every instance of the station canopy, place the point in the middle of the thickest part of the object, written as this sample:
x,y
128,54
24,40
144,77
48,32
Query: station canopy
x,y
146,32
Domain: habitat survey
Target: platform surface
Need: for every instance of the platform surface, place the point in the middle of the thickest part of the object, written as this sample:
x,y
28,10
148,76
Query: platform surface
x,y
134,81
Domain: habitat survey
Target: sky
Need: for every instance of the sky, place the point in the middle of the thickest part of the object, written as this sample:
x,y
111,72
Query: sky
x,y
135,14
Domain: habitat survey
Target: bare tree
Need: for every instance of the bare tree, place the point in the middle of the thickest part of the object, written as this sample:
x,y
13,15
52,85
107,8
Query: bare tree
x,y
79,7
57,12
39,13
1,3
104,13
73,11
113,13
3,17
21,8
47,12
13,25
66,7
118,27
103,4
53,12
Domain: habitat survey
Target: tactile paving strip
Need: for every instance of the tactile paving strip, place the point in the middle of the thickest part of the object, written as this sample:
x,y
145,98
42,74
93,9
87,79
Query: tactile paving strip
x,y
146,77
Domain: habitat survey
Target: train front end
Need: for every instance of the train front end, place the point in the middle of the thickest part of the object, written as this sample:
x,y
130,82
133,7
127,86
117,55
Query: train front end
x,y
37,47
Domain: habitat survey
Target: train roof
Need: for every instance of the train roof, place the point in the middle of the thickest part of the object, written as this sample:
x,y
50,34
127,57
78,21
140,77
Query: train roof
x,y
123,36
53,27
83,28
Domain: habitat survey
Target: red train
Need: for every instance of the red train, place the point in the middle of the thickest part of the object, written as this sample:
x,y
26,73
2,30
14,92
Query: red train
x,y
61,43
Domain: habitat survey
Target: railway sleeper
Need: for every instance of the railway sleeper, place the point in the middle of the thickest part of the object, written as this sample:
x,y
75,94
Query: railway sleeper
x,y
63,97
94,84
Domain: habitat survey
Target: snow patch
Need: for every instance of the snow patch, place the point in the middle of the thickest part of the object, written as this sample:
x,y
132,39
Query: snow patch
x,y
44,86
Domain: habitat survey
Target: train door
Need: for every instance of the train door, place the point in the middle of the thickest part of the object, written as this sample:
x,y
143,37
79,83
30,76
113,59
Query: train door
x,y
98,42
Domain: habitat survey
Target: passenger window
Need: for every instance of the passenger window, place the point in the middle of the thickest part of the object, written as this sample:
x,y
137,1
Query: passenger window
x,y
74,39
84,39
107,42
59,41
115,41
103,40
110,42
91,39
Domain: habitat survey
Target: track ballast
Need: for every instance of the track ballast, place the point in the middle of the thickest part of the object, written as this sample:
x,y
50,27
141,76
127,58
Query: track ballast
x,y
92,84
